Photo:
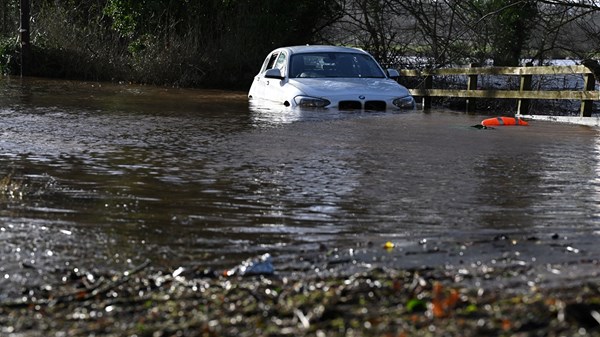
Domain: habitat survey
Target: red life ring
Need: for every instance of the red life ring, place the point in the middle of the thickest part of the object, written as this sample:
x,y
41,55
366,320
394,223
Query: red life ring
x,y
500,121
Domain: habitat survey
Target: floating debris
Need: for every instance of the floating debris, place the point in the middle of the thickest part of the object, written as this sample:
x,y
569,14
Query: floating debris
x,y
262,265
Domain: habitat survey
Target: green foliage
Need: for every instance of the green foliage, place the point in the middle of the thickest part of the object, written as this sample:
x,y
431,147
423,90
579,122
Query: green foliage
x,y
187,43
416,305
510,26
217,43
8,51
124,14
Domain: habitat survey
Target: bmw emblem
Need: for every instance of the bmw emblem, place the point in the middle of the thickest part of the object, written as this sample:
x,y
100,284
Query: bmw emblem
x,y
362,97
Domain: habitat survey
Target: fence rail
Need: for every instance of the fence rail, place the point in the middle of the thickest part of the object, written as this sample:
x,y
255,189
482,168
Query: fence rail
x,y
525,93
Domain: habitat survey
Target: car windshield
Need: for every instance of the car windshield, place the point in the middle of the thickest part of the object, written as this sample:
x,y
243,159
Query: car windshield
x,y
347,65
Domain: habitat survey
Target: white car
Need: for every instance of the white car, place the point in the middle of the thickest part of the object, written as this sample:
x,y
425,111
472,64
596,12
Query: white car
x,y
328,77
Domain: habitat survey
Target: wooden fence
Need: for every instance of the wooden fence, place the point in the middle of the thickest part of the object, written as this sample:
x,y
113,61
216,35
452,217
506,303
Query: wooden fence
x,y
525,93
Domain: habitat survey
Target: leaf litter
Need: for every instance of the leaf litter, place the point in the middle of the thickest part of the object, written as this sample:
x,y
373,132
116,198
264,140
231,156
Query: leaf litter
x,y
338,301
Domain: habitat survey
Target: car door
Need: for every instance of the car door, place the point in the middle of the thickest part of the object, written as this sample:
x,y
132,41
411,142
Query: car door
x,y
258,88
274,88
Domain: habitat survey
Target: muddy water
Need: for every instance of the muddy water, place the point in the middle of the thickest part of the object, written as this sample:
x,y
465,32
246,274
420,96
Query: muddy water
x,y
102,176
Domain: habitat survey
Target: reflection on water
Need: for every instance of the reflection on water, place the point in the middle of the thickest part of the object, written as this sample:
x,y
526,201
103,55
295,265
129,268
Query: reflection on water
x,y
107,175
268,114
594,180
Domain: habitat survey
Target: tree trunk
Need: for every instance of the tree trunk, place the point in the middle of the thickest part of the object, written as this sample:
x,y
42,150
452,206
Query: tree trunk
x,y
24,35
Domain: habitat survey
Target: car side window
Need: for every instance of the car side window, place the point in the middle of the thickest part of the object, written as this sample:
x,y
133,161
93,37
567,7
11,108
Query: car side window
x,y
280,61
271,61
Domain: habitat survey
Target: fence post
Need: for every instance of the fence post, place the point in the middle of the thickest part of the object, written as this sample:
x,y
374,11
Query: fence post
x,y
24,35
524,104
471,85
589,83
428,84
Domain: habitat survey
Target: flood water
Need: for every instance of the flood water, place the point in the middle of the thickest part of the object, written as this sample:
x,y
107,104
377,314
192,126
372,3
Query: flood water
x,y
106,176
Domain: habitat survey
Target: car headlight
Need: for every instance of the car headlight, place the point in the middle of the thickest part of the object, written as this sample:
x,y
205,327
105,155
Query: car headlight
x,y
407,102
311,102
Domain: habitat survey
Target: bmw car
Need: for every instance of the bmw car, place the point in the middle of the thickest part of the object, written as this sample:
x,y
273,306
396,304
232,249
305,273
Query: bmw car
x,y
328,77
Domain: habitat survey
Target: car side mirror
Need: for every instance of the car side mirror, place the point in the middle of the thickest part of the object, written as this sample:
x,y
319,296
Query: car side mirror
x,y
274,73
393,73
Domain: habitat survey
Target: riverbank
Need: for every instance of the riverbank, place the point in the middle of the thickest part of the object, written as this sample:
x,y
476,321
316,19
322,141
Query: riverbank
x,y
342,300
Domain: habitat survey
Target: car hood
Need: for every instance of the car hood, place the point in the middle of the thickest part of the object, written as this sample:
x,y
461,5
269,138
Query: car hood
x,y
323,87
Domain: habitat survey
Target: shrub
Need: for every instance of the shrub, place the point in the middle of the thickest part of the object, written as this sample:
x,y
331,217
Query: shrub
x,y
8,55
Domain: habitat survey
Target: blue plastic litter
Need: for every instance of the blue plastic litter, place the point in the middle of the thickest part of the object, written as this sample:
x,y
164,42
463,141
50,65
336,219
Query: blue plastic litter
x,y
262,265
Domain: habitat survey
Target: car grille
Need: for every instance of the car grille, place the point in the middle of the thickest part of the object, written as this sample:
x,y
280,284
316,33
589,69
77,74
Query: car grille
x,y
350,105
375,105
357,105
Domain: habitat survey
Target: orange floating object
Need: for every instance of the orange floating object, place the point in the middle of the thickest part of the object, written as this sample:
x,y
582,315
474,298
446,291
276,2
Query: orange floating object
x,y
499,121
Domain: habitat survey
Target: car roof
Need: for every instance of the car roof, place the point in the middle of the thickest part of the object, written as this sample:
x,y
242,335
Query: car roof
x,y
321,49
